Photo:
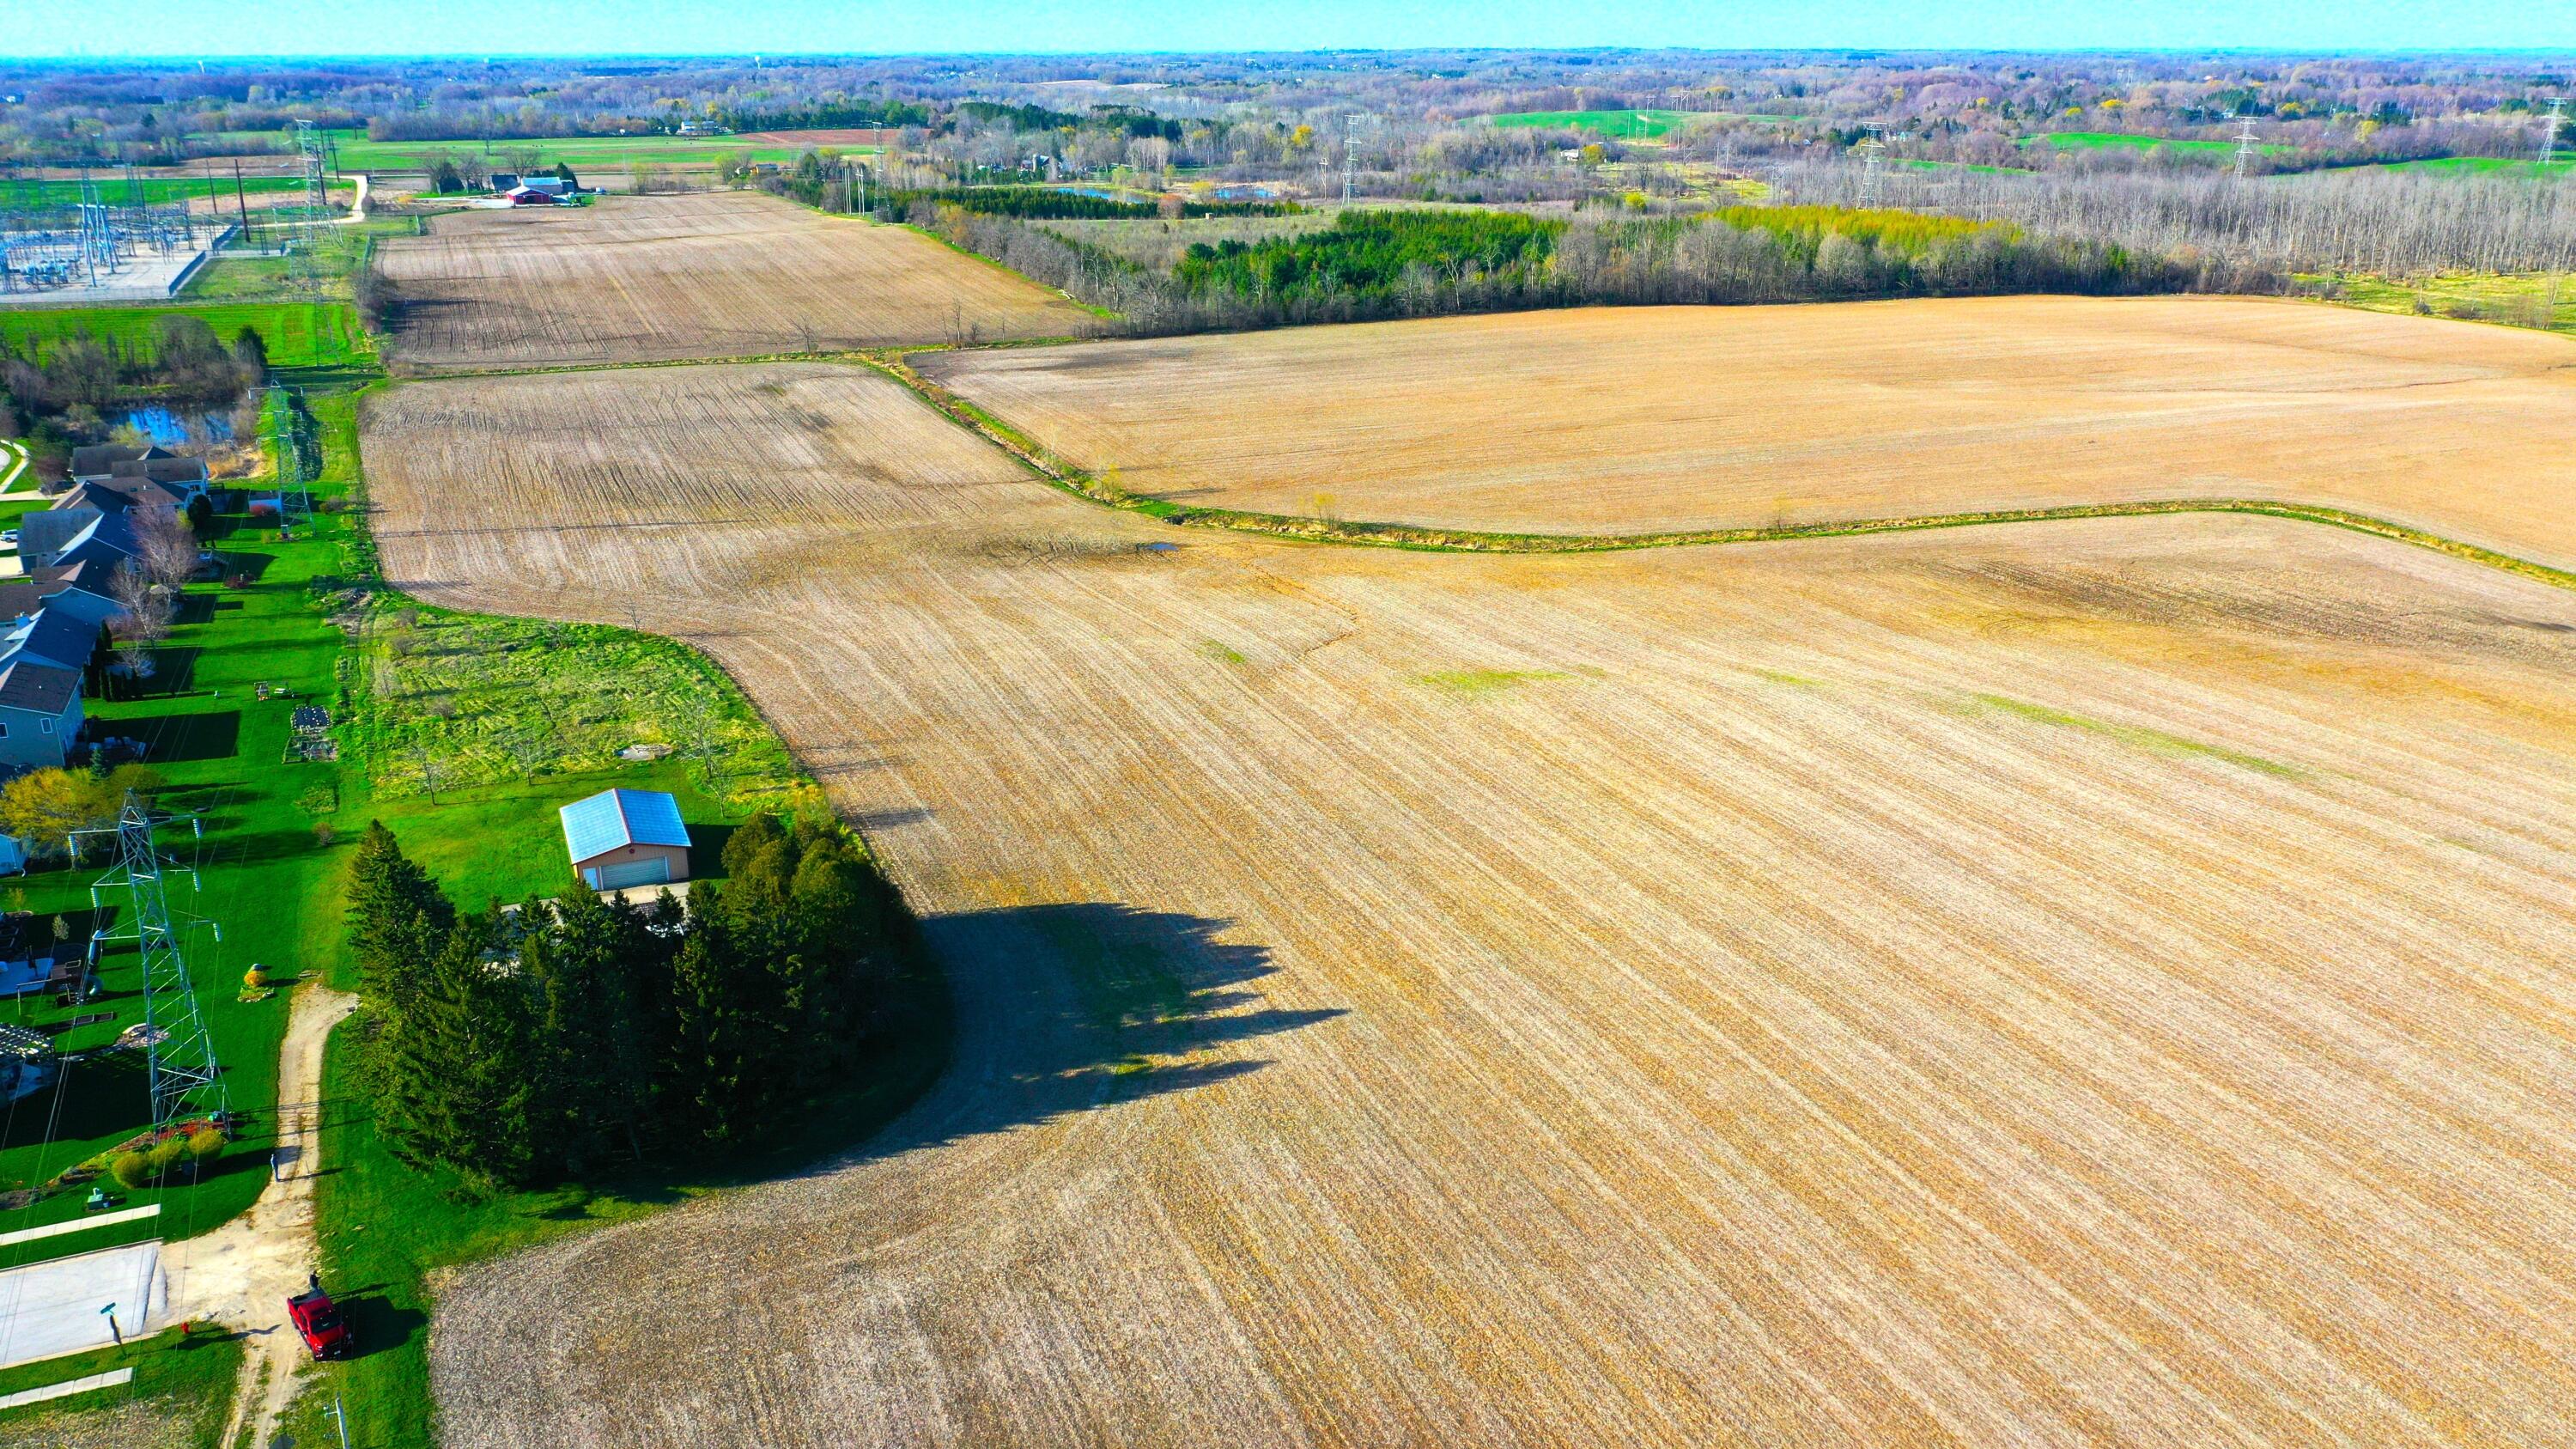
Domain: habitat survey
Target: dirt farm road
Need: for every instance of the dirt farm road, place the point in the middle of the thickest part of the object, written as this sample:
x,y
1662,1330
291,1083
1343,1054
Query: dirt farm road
x,y
241,1274
2096,982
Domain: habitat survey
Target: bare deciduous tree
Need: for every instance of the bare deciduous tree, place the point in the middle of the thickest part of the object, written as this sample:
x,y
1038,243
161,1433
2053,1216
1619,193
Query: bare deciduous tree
x,y
168,545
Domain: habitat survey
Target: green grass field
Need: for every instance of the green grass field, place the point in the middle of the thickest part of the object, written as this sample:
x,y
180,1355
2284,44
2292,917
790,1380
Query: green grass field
x,y
113,189
359,154
2488,166
1643,125
298,334
180,1392
2518,299
2096,140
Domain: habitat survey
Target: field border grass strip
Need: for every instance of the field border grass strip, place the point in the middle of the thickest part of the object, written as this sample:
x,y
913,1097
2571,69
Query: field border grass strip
x,y
1084,484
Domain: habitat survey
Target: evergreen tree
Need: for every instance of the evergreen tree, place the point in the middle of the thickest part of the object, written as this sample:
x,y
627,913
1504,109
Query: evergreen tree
x,y
594,1045
459,1067
398,920
717,1030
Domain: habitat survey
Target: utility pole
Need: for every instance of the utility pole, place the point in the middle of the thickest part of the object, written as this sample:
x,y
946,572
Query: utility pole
x,y
2549,131
2244,144
178,1051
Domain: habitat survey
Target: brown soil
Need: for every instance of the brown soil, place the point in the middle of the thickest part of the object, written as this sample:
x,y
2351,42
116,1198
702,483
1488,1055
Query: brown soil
x,y
2093,982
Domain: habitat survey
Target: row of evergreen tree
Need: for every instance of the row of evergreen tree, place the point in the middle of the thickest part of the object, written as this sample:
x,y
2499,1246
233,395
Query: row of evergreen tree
x,y
562,1039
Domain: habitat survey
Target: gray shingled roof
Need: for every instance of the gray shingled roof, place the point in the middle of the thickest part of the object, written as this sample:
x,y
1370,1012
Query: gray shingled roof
x,y
37,687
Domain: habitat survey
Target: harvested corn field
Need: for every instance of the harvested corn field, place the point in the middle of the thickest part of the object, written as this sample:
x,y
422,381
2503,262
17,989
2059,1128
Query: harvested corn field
x,y
720,274
1641,419
2105,982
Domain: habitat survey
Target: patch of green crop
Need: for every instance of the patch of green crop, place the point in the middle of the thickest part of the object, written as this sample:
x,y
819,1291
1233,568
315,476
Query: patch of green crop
x,y
2154,741
1219,652
1482,683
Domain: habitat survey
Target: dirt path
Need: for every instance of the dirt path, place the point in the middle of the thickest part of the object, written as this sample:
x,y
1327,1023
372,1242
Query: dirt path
x,y
242,1273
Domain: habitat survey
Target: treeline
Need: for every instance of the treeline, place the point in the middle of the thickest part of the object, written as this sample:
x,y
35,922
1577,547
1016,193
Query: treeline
x,y
1367,255
1436,262
1058,204
2392,223
826,115
568,1039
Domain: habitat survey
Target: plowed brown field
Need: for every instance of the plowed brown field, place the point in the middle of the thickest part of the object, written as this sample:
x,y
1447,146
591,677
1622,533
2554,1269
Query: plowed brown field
x,y
1628,420
2108,982
718,274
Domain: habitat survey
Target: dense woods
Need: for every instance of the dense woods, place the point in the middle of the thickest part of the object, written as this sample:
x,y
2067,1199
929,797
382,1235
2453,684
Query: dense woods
x,y
1431,262
563,1039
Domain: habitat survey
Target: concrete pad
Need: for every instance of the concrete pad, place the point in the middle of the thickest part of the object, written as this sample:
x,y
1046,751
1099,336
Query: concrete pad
x,y
67,1388
48,1309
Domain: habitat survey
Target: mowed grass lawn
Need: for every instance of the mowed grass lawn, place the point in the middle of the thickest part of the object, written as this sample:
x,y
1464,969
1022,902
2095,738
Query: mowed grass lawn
x,y
298,334
181,1389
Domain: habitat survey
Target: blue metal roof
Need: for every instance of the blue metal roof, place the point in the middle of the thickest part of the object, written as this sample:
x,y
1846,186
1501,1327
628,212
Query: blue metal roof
x,y
615,818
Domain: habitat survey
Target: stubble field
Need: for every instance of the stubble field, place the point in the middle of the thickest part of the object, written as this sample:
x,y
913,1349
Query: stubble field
x,y
2101,982
715,274
1643,419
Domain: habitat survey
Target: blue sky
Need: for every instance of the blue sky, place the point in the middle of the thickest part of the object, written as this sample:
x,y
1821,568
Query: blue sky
x,y
475,27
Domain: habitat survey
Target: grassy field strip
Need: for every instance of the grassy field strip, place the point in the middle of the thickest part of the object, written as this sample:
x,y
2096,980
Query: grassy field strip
x,y
1408,536
2193,944
76,1225
67,1388
658,278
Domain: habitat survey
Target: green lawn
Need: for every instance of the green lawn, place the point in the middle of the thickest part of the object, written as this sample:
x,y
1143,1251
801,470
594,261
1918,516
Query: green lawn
x,y
298,334
222,752
181,1389
1643,125
230,277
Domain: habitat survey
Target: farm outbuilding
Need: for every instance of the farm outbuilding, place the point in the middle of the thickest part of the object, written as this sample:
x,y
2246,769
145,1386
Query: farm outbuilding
x,y
621,838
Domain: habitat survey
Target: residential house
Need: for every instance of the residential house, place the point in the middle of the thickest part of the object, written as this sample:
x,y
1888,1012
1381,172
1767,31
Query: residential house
x,y
40,714
86,591
146,479
528,195
99,460
49,638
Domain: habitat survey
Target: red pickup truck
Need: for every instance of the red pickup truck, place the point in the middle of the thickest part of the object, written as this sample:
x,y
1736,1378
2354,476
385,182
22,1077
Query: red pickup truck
x,y
317,1320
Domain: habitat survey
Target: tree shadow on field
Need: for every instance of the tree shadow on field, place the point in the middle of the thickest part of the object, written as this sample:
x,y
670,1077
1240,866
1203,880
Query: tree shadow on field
x,y
1070,1008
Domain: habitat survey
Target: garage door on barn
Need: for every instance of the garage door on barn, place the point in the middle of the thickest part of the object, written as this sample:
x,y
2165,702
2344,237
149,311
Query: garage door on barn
x,y
623,838
617,877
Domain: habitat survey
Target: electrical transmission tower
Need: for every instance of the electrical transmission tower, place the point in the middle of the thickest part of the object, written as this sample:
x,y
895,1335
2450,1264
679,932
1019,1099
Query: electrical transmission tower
x,y
2244,144
1873,152
2549,131
1352,125
179,1052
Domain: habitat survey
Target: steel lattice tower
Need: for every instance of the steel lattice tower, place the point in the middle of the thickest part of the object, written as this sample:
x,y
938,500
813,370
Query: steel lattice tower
x,y
177,1048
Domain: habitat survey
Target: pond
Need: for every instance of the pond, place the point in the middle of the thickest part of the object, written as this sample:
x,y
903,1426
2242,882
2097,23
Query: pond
x,y
168,427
